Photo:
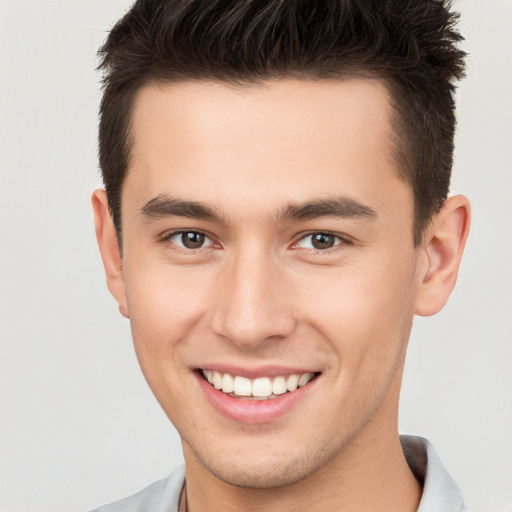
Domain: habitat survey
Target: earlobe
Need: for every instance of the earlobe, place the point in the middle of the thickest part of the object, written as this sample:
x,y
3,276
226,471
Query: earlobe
x,y
442,249
109,249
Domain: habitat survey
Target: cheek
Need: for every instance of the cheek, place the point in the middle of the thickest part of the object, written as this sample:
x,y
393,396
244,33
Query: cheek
x,y
365,310
165,305
165,309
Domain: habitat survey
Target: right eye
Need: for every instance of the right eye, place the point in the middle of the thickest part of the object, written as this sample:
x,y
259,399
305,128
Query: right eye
x,y
190,239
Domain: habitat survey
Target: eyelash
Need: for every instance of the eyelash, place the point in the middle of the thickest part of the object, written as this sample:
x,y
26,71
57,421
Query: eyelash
x,y
342,240
167,238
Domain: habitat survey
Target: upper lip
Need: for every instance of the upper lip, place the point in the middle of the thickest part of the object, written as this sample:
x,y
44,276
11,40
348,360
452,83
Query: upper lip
x,y
260,371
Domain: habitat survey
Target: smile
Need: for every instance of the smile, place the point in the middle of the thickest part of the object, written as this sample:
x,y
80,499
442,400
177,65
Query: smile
x,y
261,388
263,397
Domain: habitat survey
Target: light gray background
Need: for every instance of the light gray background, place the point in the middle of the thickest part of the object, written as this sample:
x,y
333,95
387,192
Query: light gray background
x,y
78,425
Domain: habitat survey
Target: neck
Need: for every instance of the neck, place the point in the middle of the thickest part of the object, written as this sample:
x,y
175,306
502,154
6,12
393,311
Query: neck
x,y
368,472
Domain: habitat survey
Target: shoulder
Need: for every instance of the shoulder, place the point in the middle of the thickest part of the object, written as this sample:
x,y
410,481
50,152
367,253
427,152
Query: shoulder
x,y
161,496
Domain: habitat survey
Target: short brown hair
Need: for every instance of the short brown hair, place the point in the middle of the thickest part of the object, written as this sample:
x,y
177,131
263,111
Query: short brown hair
x,y
411,45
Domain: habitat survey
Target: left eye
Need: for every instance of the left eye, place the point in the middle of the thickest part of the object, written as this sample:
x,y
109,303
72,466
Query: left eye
x,y
319,241
190,240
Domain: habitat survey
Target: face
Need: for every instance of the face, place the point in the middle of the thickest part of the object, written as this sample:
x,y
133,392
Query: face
x,y
268,248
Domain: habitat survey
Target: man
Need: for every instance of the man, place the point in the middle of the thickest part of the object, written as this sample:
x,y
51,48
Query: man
x,y
275,213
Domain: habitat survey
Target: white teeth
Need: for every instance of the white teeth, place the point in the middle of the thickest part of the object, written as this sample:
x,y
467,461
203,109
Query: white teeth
x,y
279,386
262,387
217,380
228,383
209,376
242,386
292,382
304,379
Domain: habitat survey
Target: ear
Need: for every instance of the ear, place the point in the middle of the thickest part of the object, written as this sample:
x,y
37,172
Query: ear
x,y
109,249
441,251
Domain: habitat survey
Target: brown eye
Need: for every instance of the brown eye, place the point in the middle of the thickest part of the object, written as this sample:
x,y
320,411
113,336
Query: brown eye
x,y
190,240
320,241
323,241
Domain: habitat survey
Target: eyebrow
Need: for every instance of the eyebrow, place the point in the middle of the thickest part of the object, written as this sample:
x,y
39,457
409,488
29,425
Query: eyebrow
x,y
340,206
165,206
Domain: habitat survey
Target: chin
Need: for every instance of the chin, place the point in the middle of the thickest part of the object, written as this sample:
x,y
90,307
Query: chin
x,y
266,477
265,471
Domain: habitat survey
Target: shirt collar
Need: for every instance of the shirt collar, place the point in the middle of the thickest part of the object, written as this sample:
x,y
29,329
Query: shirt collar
x,y
440,492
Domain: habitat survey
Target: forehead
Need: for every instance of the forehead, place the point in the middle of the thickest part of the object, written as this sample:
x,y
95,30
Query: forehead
x,y
283,139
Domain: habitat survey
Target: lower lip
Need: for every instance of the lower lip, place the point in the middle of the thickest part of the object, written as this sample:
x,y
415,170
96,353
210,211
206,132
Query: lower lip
x,y
253,411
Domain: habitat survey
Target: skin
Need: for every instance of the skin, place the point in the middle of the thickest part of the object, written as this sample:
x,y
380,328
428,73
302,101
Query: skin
x,y
258,294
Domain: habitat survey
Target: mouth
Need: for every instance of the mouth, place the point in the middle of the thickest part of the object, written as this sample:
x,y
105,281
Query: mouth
x,y
256,397
258,389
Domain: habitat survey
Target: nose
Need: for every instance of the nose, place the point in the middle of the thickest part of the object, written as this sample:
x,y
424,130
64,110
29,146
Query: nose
x,y
253,305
